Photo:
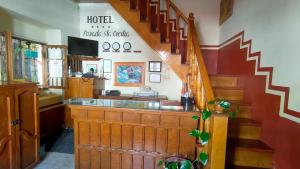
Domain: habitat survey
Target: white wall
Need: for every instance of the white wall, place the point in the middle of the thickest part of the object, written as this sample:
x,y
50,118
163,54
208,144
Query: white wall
x,y
274,27
55,14
206,13
170,85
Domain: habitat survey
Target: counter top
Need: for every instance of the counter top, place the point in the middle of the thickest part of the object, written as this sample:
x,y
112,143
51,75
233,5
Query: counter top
x,y
128,104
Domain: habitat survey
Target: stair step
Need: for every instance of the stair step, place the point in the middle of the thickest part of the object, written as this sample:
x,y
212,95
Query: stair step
x,y
244,128
250,153
245,111
228,93
241,167
224,81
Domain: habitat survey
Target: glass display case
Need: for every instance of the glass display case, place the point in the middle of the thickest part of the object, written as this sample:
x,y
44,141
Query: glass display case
x,y
27,61
3,57
56,59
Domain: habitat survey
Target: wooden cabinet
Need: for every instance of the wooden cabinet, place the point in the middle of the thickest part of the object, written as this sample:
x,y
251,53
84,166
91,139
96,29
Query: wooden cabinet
x,y
19,127
84,87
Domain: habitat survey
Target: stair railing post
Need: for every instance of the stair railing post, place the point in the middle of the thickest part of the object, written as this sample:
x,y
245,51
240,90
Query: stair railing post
x,y
137,5
168,21
177,30
158,16
189,40
148,10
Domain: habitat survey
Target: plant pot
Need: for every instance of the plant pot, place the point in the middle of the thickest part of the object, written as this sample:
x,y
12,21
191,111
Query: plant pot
x,y
219,109
180,160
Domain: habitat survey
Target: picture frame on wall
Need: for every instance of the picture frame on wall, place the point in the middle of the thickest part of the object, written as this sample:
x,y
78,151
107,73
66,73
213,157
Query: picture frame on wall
x,y
107,65
154,78
92,66
226,10
130,74
155,66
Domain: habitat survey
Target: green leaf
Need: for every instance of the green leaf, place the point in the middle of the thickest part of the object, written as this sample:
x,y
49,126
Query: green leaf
x,y
206,114
195,133
211,102
224,104
195,117
186,164
172,165
203,158
160,163
204,137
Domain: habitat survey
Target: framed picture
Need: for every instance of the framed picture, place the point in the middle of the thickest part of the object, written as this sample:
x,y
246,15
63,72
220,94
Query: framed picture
x,y
129,74
90,67
107,65
154,78
154,66
226,9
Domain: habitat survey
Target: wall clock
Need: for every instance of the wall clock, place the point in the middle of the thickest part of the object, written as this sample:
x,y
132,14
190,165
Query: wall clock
x,y
106,46
127,46
116,46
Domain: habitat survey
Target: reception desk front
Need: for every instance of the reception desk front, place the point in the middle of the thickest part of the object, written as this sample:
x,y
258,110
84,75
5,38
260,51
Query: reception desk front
x,y
123,134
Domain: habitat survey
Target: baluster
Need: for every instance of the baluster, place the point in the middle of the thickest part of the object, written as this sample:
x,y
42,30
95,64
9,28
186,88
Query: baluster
x,y
190,40
177,31
137,5
158,16
148,10
168,21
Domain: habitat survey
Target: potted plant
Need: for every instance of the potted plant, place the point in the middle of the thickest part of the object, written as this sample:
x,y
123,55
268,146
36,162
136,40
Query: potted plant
x,y
176,163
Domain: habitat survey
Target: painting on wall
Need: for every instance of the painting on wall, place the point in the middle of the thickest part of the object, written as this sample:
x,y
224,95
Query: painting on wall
x,y
129,74
226,9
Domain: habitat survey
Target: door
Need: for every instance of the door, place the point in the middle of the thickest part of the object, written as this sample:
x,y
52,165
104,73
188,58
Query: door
x,y
86,87
7,130
27,132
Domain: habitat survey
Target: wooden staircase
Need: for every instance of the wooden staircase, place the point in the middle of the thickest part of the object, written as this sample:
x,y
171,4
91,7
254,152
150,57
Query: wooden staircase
x,y
162,33
245,150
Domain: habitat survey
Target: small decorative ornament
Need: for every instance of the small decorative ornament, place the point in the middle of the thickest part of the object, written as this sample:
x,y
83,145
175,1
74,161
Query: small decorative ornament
x,y
116,46
127,46
106,46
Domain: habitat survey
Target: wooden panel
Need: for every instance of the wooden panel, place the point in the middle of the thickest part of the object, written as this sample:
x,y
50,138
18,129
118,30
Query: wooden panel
x,y
79,114
169,121
84,159
138,138
113,116
115,161
126,161
149,139
86,91
95,159
150,119
127,135
73,88
161,140
173,141
130,117
6,130
105,160
26,109
96,115
137,162
149,162
95,133
185,139
84,130
116,136
105,135
187,122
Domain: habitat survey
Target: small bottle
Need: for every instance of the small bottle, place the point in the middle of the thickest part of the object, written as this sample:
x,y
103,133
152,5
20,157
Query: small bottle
x,y
69,71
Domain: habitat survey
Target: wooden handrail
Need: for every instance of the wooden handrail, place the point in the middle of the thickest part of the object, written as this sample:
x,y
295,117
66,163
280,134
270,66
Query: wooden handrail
x,y
176,9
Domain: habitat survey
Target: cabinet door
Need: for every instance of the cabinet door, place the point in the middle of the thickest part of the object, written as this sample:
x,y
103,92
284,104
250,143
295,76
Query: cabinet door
x,y
27,132
7,130
86,87
74,88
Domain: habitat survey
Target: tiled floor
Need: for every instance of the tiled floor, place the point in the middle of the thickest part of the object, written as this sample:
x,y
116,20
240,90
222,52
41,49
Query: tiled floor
x,y
61,155
55,160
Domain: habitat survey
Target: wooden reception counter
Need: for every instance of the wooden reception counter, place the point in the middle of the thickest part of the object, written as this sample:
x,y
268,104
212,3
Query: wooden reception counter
x,y
123,134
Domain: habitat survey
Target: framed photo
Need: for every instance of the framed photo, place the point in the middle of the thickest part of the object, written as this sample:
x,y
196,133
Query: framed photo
x,y
226,9
129,74
90,67
107,63
154,66
154,78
